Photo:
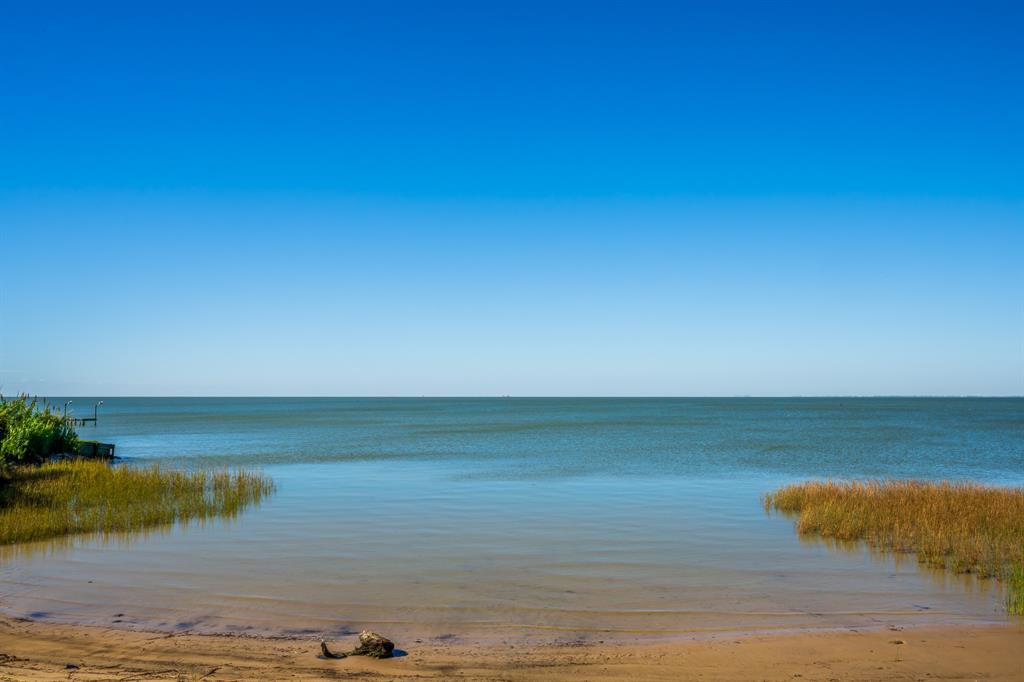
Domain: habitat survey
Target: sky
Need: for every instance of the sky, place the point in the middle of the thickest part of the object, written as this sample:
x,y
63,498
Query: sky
x,y
739,198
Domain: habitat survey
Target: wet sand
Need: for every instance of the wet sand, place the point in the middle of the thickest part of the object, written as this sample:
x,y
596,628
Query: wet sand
x,y
31,650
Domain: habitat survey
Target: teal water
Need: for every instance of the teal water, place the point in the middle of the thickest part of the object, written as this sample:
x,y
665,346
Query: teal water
x,y
511,518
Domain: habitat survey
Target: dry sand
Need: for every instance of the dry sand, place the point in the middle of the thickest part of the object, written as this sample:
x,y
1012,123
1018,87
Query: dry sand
x,y
32,650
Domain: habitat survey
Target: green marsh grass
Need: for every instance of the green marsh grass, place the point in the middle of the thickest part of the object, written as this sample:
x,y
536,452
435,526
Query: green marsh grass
x,y
1015,590
963,527
83,496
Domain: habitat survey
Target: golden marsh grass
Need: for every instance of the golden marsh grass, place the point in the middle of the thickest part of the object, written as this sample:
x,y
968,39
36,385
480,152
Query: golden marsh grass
x,y
964,527
79,496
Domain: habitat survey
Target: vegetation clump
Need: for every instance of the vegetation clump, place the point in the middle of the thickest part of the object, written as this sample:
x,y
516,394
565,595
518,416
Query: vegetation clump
x,y
964,527
87,496
30,432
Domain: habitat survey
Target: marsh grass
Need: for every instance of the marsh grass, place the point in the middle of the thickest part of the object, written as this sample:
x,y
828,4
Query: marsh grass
x,y
963,527
1015,590
82,496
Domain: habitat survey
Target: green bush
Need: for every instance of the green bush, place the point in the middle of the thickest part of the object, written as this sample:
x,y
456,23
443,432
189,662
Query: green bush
x,y
30,432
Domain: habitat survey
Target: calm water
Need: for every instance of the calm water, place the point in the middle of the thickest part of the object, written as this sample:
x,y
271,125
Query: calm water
x,y
512,518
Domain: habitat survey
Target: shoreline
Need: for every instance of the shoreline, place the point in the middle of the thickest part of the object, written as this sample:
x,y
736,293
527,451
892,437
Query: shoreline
x,y
527,635
36,650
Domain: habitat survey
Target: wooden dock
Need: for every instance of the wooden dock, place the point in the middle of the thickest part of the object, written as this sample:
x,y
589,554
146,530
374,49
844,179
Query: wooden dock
x,y
82,421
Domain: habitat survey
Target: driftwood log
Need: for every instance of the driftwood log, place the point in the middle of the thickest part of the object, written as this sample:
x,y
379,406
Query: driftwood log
x,y
370,644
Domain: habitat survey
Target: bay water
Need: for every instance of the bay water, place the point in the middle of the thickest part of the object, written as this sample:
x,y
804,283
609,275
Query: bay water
x,y
519,518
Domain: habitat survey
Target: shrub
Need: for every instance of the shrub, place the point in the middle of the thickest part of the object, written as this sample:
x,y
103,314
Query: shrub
x,y
30,432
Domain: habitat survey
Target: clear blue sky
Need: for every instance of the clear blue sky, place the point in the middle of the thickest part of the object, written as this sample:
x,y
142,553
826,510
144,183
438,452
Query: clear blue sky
x,y
522,198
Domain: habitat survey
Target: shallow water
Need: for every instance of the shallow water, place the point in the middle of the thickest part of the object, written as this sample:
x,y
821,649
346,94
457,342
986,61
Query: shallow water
x,y
512,518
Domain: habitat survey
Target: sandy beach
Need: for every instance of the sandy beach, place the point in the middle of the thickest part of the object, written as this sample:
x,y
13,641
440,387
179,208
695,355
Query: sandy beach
x,y
31,650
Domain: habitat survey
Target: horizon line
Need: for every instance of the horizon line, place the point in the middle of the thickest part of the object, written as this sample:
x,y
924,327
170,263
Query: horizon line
x,y
490,396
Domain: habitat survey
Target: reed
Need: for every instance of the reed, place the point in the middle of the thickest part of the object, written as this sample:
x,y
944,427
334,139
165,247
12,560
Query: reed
x,y
964,527
81,496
